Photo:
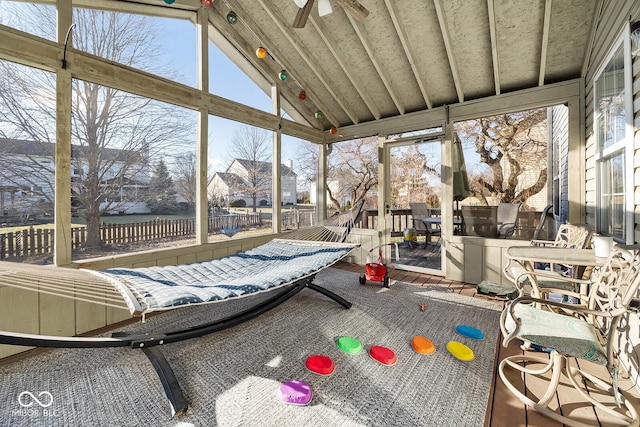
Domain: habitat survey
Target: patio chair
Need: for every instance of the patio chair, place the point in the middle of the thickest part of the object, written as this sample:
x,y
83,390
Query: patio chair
x,y
419,211
589,333
545,218
479,221
507,216
554,278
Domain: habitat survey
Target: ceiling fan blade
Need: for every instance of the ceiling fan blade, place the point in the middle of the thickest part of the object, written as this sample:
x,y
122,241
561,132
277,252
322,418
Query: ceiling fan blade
x,y
303,14
300,3
324,7
354,8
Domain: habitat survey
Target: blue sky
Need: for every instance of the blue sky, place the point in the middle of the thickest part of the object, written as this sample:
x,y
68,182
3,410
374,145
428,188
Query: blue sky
x,y
225,80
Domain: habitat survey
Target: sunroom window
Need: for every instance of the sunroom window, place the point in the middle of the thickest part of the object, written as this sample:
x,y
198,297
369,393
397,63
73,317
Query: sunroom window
x,y
610,121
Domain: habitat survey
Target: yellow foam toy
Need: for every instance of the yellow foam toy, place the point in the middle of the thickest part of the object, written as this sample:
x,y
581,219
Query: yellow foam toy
x,y
460,351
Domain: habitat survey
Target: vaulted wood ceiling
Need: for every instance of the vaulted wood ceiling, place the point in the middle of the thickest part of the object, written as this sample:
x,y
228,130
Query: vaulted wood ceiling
x,y
406,56
409,55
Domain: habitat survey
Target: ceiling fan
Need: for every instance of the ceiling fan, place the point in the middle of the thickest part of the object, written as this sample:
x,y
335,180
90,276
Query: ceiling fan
x,y
352,7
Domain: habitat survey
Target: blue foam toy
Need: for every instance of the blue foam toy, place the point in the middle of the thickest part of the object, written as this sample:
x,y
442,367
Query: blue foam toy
x,y
470,332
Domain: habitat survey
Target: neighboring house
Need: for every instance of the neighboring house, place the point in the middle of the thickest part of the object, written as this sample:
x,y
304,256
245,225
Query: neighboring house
x,y
27,177
243,178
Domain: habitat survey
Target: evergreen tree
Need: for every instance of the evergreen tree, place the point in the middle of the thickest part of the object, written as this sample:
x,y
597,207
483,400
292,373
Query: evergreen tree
x,y
162,195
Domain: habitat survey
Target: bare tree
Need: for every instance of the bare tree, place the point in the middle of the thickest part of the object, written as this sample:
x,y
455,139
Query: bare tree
x,y
410,170
353,171
512,145
115,135
185,179
252,148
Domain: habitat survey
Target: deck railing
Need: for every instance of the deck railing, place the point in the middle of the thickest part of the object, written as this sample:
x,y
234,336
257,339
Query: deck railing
x,y
401,219
40,241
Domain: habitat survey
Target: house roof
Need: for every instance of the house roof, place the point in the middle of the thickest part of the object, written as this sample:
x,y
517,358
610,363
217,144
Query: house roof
x,y
229,178
265,167
47,149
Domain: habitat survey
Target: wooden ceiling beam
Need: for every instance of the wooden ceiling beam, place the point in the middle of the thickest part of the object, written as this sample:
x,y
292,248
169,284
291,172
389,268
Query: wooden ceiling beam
x,y
494,45
447,44
545,42
295,42
338,55
386,80
409,52
242,52
354,8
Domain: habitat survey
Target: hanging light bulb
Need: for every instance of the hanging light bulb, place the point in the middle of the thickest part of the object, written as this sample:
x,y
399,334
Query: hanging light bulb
x,y
206,3
283,75
232,18
318,115
302,95
333,131
261,53
169,1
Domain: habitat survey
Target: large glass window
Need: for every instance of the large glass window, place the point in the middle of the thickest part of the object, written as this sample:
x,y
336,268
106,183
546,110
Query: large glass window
x,y
610,122
240,185
27,147
36,19
506,160
133,172
162,46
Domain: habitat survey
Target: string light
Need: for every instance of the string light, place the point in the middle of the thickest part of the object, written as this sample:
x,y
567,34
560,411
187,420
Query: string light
x,y
206,3
318,115
232,18
333,131
261,53
169,1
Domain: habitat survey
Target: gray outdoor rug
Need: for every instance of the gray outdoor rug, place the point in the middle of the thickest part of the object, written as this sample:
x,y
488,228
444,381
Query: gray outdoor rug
x,y
231,378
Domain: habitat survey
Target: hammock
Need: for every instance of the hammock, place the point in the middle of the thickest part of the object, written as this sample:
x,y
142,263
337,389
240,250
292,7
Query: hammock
x,y
289,263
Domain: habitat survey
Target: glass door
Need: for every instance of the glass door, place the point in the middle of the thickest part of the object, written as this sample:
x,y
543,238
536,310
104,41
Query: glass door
x,y
414,201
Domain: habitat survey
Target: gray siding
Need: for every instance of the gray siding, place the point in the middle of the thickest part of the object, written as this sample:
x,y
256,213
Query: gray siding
x,y
612,21
560,147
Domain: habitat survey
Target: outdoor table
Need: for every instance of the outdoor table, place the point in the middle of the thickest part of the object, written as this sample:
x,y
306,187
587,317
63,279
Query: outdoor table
x,y
433,223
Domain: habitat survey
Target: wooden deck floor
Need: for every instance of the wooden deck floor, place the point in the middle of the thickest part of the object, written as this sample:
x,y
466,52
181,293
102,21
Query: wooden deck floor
x,y
503,408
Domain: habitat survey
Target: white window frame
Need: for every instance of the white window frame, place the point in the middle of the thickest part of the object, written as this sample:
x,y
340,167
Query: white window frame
x,y
622,147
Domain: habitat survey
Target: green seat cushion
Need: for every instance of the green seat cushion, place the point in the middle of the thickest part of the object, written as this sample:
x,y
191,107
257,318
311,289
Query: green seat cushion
x,y
496,289
546,282
566,334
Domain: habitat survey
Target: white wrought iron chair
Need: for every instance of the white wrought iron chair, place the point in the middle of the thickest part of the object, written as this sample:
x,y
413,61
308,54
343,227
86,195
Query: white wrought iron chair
x,y
553,279
592,333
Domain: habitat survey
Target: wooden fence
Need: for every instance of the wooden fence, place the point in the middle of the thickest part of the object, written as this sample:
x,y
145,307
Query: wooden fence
x,y
34,242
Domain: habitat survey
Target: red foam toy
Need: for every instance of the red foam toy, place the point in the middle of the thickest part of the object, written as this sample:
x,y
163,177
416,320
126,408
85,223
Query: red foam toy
x,y
384,355
320,364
